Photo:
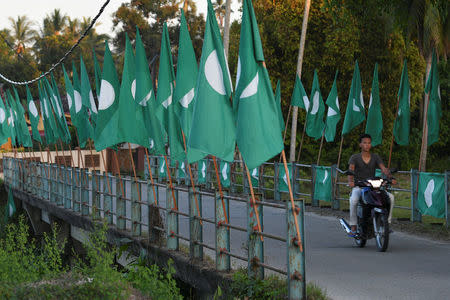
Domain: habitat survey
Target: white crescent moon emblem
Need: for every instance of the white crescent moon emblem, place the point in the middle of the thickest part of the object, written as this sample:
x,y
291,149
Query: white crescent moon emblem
x,y
224,171
361,98
69,101
133,89
325,177
306,102
428,194
168,101
57,106
331,112
285,178
238,73
213,73
32,108
252,87
204,170
370,100
107,95
2,115
187,99
78,101
315,107
91,99
255,173
337,102
355,107
145,100
162,170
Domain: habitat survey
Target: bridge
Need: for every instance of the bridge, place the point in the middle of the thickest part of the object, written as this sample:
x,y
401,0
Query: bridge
x,y
205,248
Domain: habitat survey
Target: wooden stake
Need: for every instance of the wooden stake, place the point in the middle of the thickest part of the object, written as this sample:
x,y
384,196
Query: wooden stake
x,y
291,196
134,172
340,151
301,142
92,155
170,183
118,170
220,189
62,149
192,179
71,155
252,193
151,177
106,171
320,149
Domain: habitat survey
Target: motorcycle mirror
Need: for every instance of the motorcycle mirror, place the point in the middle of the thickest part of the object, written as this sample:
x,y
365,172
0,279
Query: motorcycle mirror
x,y
393,170
349,172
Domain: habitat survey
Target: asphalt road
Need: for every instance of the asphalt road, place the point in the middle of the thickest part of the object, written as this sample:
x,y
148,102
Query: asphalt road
x,y
412,267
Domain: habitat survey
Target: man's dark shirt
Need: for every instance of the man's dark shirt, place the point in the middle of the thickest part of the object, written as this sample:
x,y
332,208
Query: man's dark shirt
x,y
362,170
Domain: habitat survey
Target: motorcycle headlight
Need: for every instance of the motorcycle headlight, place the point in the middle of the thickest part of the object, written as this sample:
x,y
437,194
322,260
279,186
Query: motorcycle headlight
x,y
376,183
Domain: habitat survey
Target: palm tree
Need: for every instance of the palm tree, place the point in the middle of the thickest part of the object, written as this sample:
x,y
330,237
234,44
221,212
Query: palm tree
x,y
54,23
220,8
188,4
21,33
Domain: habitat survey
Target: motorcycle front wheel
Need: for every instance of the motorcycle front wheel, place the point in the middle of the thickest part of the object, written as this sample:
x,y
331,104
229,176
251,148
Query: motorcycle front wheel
x,y
361,240
381,230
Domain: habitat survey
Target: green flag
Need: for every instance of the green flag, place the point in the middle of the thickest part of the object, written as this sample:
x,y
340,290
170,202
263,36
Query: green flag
x,y
314,118
355,113
106,129
187,72
182,170
299,97
131,118
11,122
282,177
202,171
434,113
225,173
431,194
17,123
333,113
164,104
10,208
56,113
257,121
145,96
50,137
254,175
97,73
278,104
25,133
63,116
322,187
162,170
33,114
5,131
87,97
402,120
213,126
374,124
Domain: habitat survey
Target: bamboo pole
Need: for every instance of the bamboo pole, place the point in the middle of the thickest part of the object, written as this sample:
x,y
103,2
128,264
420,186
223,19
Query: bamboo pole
x,y
151,177
252,193
220,189
340,151
301,141
320,149
62,149
192,179
106,171
80,157
134,172
118,170
170,183
291,196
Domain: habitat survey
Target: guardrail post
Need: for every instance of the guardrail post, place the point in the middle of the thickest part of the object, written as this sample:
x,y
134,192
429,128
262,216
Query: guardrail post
x,y
68,188
335,203
276,190
172,220
76,189
195,228
61,180
107,198
314,202
121,203
255,245
96,208
416,216
296,258
136,190
295,180
447,208
53,184
84,192
223,262
45,182
209,184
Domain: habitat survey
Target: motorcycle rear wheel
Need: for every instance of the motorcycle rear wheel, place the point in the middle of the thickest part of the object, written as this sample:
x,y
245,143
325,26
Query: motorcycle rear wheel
x,y
381,228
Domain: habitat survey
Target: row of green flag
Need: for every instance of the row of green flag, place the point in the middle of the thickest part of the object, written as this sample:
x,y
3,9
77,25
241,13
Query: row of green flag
x,y
355,113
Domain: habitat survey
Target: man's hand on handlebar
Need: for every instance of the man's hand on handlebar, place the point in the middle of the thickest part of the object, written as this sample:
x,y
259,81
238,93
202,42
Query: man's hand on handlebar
x,y
351,184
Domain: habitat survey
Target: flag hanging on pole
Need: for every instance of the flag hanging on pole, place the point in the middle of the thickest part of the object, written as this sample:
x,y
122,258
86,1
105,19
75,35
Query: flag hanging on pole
x,y
106,129
50,135
145,96
23,127
257,122
213,126
131,118
374,124
402,120
164,104
314,118
63,116
33,114
299,97
434,113
278,104
333,113
97,74
187,72
87,97
355,113
5,131
56,113
10,120
10,208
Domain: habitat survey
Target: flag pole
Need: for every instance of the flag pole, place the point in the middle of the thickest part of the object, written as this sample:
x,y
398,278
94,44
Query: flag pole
x,y
118,170
291,196
252,193
93,165
301,141
170,183
220,189
49,156
134,172
340,151
57,153
285,128
392,138
192,179
80,157
62,149
104,164
320,149
151,177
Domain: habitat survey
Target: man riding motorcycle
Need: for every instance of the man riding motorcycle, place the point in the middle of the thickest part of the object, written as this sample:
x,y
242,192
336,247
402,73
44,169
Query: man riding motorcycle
x,y
363,165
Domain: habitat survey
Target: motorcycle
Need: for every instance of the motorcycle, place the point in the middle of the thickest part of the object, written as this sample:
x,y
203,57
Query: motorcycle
x,y
373,207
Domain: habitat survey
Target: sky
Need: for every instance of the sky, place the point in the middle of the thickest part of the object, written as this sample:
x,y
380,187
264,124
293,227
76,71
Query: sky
x,y
36,10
